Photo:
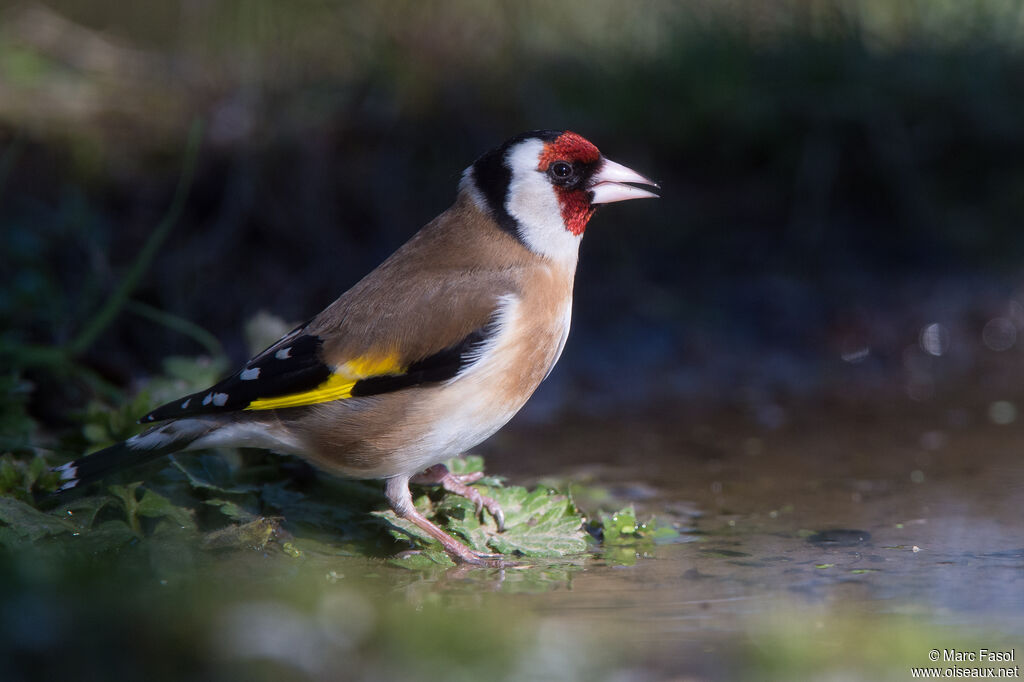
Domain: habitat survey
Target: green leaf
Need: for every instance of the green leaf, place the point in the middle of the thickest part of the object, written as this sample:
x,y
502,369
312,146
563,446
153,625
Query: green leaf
x,y
537,523
125,494
255,534
109,535
471,464
22,477
83,511
210,472
622,528
467,464
299,508
154,505
430,558
10,478
231,510
29,523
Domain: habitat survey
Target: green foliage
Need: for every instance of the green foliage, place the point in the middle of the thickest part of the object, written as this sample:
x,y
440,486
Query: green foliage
x,y
622,528
538,523
254,533
103,425
16,426
21,521
223,504
24,477
150,505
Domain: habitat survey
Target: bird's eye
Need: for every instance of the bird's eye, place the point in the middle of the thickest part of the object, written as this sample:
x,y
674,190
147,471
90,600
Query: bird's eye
x,y
561,170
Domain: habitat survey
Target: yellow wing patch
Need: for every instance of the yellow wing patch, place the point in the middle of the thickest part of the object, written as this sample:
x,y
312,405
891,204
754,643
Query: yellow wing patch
x,y
338,385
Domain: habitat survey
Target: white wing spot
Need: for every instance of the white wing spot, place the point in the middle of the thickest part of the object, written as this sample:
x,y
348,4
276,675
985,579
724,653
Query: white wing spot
x,y
184,405
284,353
68,471
250,374
208,399
219,399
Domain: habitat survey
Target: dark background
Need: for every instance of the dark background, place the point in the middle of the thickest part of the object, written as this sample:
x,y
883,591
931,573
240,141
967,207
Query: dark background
x,y
836,177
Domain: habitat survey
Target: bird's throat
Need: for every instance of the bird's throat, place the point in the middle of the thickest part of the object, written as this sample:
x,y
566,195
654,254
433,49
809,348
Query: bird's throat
x,y
576,209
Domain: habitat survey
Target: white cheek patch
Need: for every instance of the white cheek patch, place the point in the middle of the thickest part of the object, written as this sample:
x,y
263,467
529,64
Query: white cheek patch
x,y
532,201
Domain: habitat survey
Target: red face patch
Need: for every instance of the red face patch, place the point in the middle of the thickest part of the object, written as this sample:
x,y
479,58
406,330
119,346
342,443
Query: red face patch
x,y
568,147
575,205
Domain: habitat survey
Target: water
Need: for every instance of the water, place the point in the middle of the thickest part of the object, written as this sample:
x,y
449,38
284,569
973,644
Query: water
x,y
901,519
843,541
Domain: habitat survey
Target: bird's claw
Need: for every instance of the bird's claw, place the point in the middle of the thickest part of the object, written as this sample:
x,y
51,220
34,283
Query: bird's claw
x,y
456,485
459,484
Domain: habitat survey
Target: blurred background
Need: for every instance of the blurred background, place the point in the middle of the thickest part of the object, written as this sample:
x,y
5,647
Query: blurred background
x,y
837,177
840,221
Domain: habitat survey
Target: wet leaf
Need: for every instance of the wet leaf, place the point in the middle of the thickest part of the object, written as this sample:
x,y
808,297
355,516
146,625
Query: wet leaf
x,y
537,523
622,528
255,534
430,558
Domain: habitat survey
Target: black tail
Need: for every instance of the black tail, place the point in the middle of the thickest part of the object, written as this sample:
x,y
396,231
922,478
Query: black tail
x,y
148,445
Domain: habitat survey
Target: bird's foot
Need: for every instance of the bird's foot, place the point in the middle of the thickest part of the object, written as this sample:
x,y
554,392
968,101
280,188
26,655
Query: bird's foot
x,y
458,484
397,491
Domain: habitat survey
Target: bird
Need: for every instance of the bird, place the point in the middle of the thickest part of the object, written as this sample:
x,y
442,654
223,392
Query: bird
x,y
426,356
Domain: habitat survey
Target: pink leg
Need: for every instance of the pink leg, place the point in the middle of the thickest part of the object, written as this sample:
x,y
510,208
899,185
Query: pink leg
x,y
397,491
458,484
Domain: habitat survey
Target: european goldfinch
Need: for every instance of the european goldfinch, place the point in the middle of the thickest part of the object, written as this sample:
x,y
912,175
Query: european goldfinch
x,y
426,356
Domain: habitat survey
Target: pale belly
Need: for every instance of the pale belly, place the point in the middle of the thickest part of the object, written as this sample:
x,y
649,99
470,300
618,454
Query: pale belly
x,y
465,411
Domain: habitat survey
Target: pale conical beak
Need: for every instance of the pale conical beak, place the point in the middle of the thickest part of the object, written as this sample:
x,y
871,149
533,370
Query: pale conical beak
x,y
608,184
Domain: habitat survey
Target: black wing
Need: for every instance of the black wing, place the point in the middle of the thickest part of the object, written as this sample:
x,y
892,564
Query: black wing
x,y
293,372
